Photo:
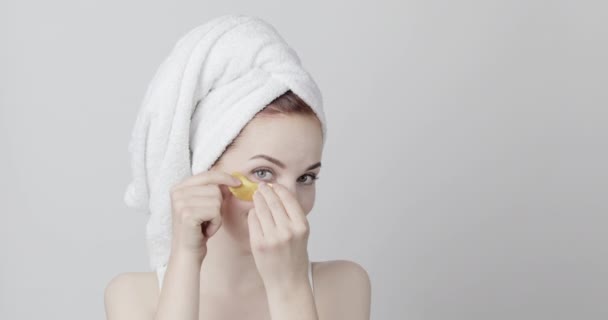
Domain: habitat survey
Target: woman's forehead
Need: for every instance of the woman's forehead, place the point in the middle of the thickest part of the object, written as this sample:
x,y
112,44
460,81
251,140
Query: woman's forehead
x,y
289,139
286,129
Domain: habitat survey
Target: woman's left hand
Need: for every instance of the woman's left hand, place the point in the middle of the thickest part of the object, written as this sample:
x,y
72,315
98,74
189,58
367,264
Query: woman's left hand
x,y
278,233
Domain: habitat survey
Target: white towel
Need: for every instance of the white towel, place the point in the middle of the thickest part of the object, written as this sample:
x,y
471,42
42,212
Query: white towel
x,y
217,77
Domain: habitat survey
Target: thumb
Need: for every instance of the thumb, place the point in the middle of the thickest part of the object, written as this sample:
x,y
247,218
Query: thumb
x,y
225,192
213,225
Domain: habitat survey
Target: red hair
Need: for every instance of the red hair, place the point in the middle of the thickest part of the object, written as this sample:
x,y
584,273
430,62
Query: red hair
x,y
288,103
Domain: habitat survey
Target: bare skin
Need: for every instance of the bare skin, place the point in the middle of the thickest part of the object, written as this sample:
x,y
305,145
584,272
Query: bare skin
x,y
223,271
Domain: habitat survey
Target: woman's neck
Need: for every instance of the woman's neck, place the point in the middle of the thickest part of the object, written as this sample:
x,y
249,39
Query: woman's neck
x,y
229,268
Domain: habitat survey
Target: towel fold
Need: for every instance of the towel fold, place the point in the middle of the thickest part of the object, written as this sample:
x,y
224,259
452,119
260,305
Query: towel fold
x,y
214,81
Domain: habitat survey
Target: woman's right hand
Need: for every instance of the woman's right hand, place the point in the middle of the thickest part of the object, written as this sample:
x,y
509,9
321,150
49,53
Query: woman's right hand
x,y
196,210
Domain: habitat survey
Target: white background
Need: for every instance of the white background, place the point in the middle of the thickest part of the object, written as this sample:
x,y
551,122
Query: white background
x,y
466,166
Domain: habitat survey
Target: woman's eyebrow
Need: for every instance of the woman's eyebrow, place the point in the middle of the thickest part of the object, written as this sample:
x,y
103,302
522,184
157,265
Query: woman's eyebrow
x,y
281,164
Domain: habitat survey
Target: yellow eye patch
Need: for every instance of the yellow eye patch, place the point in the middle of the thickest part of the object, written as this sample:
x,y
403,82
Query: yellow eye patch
x,y
247,188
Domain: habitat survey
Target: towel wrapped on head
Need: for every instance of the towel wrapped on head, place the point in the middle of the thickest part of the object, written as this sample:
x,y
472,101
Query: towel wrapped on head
x,y
214,81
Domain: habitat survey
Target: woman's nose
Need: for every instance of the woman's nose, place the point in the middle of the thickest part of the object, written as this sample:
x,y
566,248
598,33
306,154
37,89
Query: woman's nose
x,y
289,186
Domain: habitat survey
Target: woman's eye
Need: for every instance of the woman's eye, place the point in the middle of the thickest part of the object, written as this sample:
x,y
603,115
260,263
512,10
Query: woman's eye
x,y
262,176
312,178
266,174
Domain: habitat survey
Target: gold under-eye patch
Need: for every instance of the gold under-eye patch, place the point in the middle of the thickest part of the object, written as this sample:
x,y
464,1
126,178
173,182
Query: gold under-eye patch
x,y
247,188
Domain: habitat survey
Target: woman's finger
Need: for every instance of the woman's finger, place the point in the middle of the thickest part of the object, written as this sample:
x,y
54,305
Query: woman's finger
x,y
263,213
290,203
214,177
255,228
275,205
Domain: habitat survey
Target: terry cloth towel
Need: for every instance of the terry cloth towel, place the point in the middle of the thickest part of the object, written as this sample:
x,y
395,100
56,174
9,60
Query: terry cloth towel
x,y
214,81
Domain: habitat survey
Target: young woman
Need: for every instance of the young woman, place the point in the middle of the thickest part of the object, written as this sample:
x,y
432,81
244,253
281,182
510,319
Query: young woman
x,y
214,274
231,258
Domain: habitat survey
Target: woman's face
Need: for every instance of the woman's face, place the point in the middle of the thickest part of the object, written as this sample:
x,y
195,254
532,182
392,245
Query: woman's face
x,y
280,149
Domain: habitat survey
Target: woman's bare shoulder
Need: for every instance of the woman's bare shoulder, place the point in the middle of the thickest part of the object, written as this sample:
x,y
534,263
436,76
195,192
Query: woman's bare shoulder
x,y
130,293
342,290
339,270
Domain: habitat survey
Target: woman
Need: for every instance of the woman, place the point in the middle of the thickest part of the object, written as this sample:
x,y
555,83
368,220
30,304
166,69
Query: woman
x,y
235,259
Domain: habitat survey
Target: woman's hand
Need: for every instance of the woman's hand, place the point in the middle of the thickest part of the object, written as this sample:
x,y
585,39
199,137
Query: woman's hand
x,y
278,232
196,204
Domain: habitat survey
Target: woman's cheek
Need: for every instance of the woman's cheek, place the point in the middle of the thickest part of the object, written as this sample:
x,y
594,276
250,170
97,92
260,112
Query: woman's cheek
x,y
233,207
307,200
241,207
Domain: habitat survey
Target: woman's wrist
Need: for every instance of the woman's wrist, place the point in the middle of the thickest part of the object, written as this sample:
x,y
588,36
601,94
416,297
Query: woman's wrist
x,y
188,255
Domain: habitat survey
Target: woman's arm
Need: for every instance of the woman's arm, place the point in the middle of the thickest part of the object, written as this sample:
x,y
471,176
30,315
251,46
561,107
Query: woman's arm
x,y
179,297
292,302
353,288
178,300
124,299
342,291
